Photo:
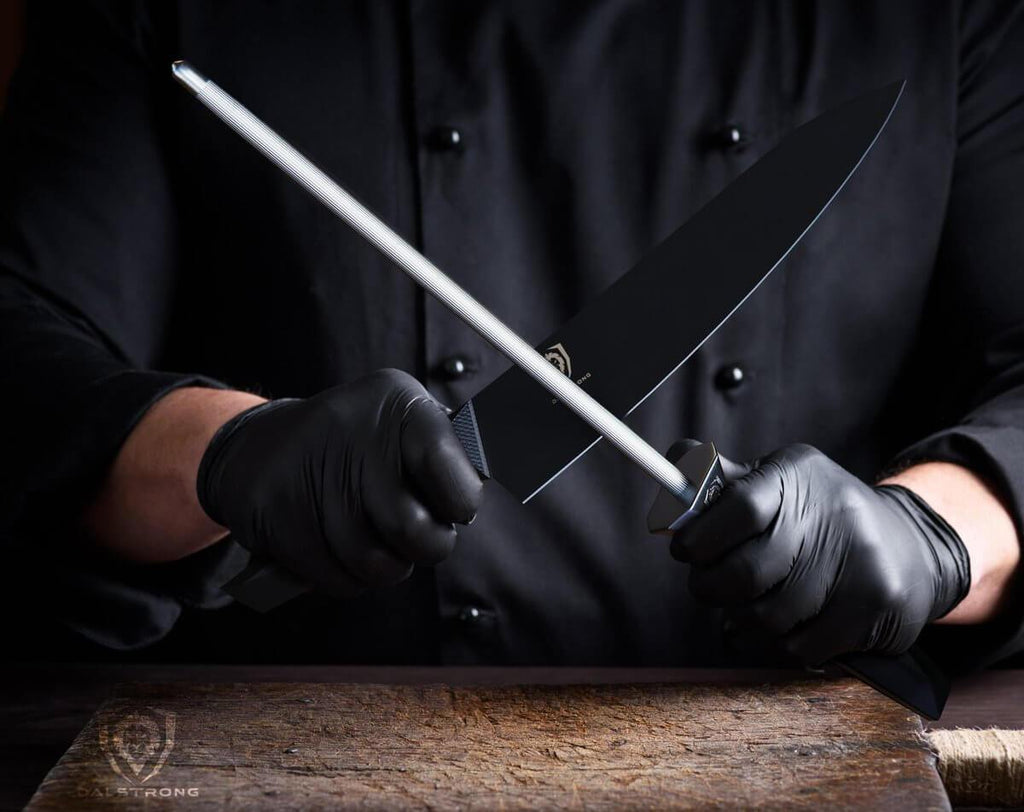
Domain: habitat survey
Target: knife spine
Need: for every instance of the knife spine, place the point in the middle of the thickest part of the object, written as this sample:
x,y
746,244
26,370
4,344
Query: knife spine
x,y
467,430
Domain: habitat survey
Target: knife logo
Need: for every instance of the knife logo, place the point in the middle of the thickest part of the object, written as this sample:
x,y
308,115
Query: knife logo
x,y
559,358
714,491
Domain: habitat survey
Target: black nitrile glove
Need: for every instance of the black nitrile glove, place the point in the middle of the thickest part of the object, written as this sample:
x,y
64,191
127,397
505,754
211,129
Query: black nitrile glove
x,y
802,549
347,489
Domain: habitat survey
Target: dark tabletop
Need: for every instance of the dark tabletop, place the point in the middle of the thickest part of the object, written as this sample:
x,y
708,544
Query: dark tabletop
x,y
42,707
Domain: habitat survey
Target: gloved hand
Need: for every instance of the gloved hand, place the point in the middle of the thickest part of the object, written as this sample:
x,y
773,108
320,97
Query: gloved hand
x,y
799,547
347,489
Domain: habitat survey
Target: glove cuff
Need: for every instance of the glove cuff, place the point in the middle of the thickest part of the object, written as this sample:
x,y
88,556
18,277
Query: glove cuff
x,y
952,561
208,475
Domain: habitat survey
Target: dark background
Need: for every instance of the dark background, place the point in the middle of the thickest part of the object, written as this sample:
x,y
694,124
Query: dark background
x,y
10,41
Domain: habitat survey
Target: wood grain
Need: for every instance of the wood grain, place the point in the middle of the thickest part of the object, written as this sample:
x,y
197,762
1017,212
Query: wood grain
x,y
798,745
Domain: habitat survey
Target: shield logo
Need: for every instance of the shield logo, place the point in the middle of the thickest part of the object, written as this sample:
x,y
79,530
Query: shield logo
x,y
559,357
138,743
714,491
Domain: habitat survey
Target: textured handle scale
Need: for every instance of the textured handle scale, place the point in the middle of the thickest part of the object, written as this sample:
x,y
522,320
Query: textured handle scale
x,y
911,678
468,433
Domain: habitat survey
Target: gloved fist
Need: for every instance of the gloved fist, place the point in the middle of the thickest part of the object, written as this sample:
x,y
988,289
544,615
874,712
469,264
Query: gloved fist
x,y
347,489
801,548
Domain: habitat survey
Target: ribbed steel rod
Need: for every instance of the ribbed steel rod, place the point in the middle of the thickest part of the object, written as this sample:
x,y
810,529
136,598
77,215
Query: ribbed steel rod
x,y
426,274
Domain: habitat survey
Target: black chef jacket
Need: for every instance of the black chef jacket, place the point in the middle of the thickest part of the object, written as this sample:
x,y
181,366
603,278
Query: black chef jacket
x,y
535,151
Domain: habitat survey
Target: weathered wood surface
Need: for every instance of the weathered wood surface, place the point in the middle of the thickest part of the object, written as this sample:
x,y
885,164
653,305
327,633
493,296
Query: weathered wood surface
x,y
799,745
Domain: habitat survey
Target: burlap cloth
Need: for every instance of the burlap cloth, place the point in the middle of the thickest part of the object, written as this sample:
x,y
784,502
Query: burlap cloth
x,y
981,768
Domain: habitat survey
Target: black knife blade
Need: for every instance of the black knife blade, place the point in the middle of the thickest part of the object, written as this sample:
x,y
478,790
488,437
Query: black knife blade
x,y
672,301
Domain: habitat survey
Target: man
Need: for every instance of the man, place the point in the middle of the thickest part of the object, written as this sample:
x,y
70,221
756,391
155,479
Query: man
x,y
535,152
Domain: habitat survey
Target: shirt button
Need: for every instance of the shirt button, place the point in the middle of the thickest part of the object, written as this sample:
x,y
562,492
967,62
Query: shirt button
x,y
445,139
732,136
477,624
729,377
454,367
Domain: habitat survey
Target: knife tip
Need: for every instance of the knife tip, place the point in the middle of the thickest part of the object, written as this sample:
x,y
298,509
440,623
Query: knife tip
x,y
187,75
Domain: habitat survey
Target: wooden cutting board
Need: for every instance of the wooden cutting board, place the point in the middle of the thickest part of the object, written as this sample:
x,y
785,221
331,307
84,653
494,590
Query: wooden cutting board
x,y
798,745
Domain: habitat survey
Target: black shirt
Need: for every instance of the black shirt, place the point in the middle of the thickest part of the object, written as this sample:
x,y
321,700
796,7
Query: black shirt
x,y
534,151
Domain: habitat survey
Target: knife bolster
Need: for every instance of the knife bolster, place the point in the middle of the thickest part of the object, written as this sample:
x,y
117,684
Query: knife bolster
x,y
702,467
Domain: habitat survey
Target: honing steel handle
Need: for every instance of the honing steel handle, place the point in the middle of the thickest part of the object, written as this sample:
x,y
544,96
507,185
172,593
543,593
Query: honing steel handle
x,y
910,678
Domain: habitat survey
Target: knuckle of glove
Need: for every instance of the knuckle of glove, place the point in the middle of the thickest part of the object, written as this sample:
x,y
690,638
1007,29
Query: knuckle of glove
x,y
803,454
413,526
383,396
422,539
394,380
887,592
754,510
333,408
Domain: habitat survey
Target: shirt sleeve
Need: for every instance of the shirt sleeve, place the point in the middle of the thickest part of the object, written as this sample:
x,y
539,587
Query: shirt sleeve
x,y
978,298
87,268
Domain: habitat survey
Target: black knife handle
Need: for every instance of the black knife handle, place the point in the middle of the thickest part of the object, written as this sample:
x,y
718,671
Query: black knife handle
x,y
910,678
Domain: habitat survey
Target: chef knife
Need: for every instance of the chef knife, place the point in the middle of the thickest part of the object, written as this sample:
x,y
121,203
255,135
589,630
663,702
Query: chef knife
x,y
673,301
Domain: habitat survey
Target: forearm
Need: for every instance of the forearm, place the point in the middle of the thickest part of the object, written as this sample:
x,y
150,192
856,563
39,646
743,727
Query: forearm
x,y
984,526
147,509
